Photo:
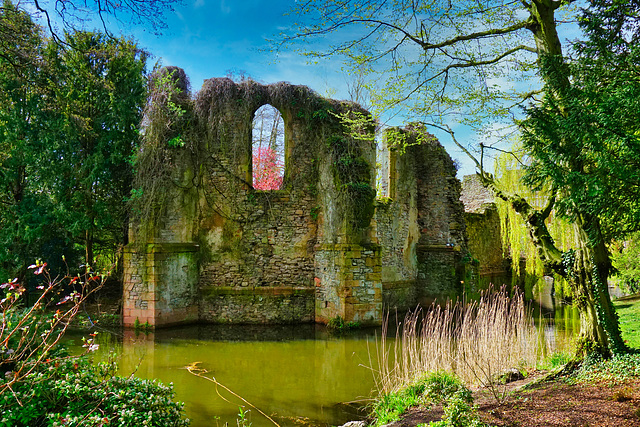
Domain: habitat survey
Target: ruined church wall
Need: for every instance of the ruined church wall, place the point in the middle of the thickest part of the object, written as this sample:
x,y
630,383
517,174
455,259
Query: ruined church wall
x,y
397,229
257,247
221,251
419,221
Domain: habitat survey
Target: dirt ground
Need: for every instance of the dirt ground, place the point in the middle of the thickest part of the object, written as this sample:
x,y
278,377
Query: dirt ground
x,y
551,404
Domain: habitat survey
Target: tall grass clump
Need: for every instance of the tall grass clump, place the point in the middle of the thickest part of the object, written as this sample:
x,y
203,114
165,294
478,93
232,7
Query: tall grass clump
x,y
476,341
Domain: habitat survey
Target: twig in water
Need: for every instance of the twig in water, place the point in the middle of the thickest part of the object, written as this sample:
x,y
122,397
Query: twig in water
x,y
199,372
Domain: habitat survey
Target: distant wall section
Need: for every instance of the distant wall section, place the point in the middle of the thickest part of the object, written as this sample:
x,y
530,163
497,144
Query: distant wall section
x,y
484,234
419,221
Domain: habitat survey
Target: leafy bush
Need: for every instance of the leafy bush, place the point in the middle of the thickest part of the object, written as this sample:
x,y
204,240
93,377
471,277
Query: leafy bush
x,y
458,412
437,388
441,386
40,385
74,392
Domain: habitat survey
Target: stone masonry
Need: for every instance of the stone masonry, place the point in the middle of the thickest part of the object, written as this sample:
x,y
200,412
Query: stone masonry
x,y
321,247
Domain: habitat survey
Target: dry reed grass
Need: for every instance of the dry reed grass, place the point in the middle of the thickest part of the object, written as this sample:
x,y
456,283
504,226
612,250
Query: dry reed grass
x,y
476,341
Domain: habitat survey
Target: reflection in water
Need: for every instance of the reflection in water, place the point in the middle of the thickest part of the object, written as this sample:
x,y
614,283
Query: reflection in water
x,y
560,321
290,372
293,373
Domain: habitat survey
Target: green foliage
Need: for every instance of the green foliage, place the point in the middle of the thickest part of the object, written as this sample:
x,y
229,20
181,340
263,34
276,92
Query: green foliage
x,y
243,420
440,386
337,324
629,313
315,211
399,140
389,407
616,370
69,115
42,386
626,261
409,67
516,241
352,171
436,388
75,392
27,222
100,88
458,412
144,327
384,200
592,153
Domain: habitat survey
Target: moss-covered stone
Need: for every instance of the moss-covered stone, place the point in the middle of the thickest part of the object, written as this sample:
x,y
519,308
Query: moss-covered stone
x,y
306,252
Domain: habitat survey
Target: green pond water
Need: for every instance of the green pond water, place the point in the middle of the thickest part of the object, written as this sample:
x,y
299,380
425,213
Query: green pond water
x,y
296,374
299,375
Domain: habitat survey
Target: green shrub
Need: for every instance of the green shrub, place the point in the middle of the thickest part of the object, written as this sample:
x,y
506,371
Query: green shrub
x,y
74,392
458,412
437,388
40,385
442,386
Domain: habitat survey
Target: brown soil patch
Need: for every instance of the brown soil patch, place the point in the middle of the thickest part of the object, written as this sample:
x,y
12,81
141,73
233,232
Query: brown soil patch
x,y
551,404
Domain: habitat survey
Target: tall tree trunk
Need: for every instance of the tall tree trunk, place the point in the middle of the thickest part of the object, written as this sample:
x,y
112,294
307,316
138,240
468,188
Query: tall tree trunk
x,y
585,268
88,249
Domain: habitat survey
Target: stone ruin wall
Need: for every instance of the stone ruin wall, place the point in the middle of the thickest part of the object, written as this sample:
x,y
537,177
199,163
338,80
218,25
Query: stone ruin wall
x,y
420,224
484,234
223,252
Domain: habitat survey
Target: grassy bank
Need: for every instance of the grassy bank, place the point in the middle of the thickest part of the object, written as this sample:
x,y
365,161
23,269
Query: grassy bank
x,y
628,309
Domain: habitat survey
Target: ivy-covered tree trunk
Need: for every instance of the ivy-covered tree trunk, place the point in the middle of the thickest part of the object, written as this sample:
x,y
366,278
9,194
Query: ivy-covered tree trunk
x,y
586,267
587,271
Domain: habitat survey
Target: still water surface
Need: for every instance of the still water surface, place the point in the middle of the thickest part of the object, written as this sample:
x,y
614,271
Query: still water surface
x,y
297,374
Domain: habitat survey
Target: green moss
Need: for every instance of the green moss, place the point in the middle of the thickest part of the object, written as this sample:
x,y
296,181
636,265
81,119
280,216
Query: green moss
x,y
361,197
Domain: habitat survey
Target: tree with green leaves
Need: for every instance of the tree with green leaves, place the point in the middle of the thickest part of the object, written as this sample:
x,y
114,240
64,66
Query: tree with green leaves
x,y
70,115
27,224
482,62
99,89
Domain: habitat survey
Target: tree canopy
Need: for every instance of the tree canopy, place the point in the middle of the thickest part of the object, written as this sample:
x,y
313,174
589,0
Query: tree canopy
x,y
485,62
70,115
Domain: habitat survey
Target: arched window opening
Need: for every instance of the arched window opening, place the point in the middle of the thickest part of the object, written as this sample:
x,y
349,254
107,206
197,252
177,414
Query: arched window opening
x,y
268,148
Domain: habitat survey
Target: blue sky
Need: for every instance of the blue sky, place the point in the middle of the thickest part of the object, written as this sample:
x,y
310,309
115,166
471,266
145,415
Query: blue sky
x,y
209,37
